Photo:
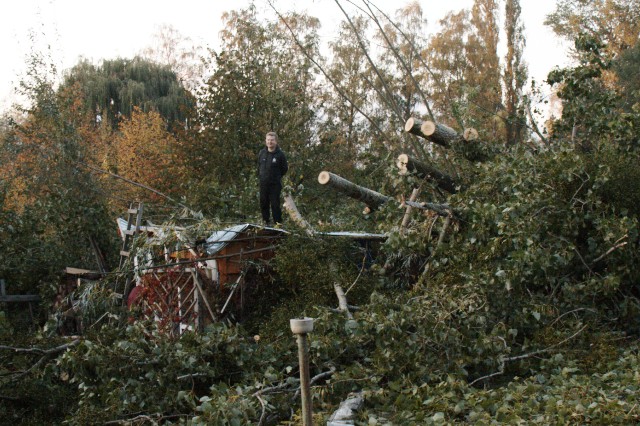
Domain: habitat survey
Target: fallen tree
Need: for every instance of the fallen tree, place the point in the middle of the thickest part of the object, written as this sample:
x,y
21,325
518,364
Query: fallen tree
x,y
296,216
371,198
374,199
465,144
407,164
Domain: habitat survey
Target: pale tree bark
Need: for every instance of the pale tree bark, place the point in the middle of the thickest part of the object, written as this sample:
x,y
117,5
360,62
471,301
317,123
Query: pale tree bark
x,y
374,199
294,213
371,198
407,213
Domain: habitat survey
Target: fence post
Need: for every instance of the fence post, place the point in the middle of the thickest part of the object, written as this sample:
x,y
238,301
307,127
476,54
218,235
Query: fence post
x,y
301,327
3,292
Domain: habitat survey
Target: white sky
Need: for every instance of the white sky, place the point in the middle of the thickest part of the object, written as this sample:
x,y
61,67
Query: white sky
x,y
116,28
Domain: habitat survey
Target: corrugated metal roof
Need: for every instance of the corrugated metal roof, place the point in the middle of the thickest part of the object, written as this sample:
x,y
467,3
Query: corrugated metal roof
x,y
219,239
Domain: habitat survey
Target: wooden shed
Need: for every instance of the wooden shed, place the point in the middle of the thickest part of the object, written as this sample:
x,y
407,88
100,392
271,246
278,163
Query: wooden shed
x,y
194,284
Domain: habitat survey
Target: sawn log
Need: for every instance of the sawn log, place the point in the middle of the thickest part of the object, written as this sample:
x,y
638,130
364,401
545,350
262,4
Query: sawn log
x,y
407,164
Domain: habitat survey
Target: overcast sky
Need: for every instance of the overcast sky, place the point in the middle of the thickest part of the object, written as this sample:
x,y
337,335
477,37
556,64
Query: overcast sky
x,y
106,30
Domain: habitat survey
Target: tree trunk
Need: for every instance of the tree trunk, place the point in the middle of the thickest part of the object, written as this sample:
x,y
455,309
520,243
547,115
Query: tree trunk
x,y
413,126
439,133
470,134
294,213
407,164
371,198
466,144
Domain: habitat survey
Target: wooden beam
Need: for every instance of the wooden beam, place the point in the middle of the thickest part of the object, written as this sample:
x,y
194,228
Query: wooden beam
x,y
20,298
196,280
85,273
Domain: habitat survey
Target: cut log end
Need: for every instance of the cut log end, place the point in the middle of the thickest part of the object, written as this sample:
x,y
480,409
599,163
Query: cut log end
x,y
470,134
324,178
402,161
409,124
428,128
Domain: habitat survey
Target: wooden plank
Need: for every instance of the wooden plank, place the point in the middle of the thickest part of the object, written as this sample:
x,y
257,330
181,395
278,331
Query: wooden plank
x,y
20,298
196,280
78,271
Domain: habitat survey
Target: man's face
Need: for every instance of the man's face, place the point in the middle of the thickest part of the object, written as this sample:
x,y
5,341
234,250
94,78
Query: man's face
x,y
271,143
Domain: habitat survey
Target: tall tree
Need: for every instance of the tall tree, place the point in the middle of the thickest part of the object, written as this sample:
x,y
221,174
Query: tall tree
x,y
344,127
179,52
148,154
591,108
400,54
626,68
447,58
615,23
55,203
515,73
115,87
483,74
260,82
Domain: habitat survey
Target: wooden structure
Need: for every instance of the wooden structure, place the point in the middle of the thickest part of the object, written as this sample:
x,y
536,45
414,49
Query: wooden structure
x,y
191,285
174,297
29,299
229,248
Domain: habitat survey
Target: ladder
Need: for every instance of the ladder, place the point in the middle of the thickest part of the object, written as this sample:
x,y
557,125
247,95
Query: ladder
x,y
133,227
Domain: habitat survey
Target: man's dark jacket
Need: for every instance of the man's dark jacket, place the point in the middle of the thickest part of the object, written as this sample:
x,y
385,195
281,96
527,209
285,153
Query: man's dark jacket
x,y
271,165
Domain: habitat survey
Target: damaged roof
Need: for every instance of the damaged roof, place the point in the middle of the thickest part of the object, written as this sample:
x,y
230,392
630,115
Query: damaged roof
x,y
219,239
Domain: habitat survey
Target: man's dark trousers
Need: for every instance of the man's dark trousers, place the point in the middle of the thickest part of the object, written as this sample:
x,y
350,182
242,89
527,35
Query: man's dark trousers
x,y
270,199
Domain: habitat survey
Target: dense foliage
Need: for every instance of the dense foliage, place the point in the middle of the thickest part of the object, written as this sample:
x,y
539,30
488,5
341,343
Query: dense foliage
x,y
521,306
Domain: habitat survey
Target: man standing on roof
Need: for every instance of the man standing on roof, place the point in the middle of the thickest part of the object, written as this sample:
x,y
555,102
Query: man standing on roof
x,y
272,165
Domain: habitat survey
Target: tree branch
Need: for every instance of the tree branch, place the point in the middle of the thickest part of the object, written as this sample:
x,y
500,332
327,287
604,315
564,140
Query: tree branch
x,y
315,379
503,361
342,301
420,58
402,62
391,104
617,245
322,70
46,354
